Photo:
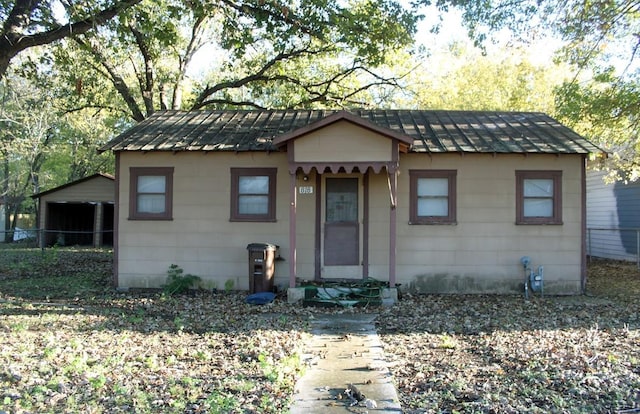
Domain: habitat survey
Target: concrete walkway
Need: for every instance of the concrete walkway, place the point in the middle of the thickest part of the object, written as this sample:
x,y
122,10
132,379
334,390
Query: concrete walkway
x,y
345,349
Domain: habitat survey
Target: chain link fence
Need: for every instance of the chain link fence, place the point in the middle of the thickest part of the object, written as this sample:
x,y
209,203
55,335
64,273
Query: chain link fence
x,y
34,237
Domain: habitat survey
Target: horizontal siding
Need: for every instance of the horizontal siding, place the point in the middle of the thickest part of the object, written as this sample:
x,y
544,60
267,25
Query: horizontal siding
x,y
96,189
486,243
342,141
200,238
481,253
612,206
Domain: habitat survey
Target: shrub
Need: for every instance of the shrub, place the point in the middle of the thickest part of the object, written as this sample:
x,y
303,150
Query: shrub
x,y
178,282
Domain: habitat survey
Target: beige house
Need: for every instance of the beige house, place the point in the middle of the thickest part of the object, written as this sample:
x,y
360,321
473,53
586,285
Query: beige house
x,y
432,201
78,213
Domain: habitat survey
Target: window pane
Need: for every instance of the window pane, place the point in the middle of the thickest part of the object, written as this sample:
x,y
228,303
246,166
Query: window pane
x,y
342,200
151,203
253,185
538,188
433,207
538,207
253,205
151,184
433,187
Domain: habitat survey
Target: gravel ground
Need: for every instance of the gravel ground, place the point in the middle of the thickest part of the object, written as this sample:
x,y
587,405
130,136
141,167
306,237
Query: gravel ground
x,y
72,345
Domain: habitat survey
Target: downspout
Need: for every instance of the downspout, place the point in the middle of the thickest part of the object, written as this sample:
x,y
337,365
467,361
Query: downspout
x,y
583,245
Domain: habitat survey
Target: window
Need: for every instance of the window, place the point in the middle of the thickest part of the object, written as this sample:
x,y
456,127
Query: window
x,y
151,193
253,194
538,197
433,196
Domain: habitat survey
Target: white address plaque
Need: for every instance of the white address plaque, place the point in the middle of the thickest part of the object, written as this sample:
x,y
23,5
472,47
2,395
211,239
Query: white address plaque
x,y
306,189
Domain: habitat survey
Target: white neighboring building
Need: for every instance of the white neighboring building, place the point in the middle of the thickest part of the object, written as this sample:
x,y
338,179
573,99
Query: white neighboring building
x,y
613,218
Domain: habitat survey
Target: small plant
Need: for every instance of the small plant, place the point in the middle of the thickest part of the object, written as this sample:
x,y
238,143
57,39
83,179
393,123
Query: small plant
x,y
178,282
447,342
228,285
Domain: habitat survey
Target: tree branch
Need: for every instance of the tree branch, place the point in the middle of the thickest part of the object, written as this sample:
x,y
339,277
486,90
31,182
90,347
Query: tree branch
x,y
16,36
257,76
118,82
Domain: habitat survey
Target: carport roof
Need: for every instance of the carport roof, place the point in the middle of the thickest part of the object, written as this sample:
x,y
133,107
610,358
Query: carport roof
x,y
81,180
427,131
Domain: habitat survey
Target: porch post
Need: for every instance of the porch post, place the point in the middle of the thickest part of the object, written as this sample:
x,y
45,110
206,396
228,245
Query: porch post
x,y
393,180
292,228
97,225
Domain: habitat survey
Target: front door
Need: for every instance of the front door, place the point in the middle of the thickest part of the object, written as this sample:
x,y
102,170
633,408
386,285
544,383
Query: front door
x,y
341,228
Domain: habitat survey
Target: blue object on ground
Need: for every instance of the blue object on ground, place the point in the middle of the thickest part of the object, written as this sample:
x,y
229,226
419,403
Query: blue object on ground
x,y
260,298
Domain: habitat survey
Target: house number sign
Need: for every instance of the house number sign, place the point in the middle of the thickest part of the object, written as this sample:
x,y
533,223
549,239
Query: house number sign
x,y
306,189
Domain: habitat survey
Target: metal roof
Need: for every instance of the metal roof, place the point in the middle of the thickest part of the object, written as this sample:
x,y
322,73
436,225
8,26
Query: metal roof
x,y
431,131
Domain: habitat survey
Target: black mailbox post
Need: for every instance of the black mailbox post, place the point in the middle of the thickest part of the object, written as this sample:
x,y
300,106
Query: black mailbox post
x,y
261,266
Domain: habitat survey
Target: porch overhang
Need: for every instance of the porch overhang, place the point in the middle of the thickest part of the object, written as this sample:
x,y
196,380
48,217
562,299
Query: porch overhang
x,y
405,140
322,147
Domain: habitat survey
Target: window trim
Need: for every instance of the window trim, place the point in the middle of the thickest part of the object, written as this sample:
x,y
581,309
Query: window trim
x,y
414,176
134,173
236,173
556,176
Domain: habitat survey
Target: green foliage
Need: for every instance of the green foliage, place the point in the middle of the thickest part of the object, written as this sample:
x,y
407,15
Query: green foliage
x,y
463,78
334,48
178,282
228,285
599,39
30,24
606,110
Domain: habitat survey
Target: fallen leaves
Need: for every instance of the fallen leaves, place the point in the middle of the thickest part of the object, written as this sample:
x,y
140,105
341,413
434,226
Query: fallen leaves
x,y
505,354
72,345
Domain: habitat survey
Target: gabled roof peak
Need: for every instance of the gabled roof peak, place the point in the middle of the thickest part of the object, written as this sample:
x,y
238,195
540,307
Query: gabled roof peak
x,y
338,117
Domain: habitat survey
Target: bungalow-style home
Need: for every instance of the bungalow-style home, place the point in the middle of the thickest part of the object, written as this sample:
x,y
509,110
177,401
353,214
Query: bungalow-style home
x,y
613,218
431,201
78,213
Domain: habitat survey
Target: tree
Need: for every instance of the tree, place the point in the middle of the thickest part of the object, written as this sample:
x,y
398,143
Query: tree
x,y
41,148
30,23
602,40
608,109
318,52
27,135
461,77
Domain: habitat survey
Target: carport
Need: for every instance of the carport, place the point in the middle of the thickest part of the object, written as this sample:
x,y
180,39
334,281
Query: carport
x,y
78,213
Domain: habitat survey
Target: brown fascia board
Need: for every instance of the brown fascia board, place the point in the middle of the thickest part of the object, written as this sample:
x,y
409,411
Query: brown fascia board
x,y
342,116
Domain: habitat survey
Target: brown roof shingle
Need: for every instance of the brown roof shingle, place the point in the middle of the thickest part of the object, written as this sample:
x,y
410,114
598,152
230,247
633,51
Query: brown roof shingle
x,y
435,131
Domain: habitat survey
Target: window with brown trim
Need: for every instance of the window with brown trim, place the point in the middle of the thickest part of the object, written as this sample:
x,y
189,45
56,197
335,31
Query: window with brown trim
x,y
253,194
151,193
538,197
432,196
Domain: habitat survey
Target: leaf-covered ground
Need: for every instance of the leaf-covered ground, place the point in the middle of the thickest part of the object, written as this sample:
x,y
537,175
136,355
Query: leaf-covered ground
x,y
488,354
70,344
